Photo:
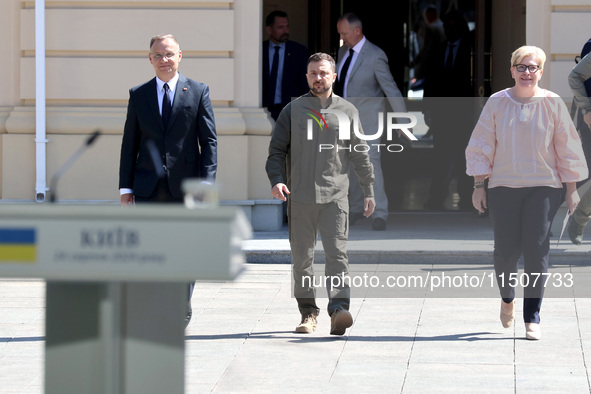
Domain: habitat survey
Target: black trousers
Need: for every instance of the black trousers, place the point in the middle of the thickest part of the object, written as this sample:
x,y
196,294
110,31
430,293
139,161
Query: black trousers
x,y
452,121
162,195
522,218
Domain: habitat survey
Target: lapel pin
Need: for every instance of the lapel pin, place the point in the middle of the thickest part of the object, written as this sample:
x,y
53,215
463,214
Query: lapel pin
x,y
184,89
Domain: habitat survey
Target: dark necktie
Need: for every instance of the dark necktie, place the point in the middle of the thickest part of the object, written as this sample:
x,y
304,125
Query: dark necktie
x,y
339,86
449,62
166,107
273,76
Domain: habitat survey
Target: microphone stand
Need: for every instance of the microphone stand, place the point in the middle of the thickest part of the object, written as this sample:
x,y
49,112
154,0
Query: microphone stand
x,y
66,166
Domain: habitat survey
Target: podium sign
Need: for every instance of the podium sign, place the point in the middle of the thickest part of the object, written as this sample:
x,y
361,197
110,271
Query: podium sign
x,y
117,283
105,243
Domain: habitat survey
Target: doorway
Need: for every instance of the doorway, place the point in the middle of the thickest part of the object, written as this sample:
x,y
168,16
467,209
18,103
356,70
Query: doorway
x,y
497,28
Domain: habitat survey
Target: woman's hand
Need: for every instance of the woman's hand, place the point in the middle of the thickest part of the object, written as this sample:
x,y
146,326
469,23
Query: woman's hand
x,y
479,195
572,198
479,200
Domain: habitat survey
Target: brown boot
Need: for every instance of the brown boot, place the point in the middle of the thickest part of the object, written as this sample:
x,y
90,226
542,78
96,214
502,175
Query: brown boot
x,y
308,324
340,320
575,231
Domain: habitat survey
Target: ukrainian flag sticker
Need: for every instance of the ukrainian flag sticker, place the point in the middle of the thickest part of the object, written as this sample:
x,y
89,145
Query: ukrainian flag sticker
x,y
18,245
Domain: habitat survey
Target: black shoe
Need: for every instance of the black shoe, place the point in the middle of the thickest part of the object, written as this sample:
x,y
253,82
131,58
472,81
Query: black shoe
x,y
189,314
378,224
354,217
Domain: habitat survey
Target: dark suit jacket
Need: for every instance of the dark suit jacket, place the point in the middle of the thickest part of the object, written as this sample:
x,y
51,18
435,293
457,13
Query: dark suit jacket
x,y
449,94
457,82
187,145
295,66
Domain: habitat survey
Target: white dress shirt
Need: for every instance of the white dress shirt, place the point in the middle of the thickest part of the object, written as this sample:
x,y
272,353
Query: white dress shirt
x,y
160,92
356,50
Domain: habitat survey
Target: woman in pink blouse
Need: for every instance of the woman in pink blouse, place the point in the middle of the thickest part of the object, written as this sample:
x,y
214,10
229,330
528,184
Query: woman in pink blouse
x,y
527,146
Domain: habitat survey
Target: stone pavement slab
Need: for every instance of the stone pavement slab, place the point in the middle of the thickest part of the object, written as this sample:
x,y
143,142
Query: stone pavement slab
x,y
241,339
413,236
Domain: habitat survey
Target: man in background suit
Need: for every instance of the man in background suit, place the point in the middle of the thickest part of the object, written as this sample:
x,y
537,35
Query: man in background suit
x,y
174,114
363,72
449,79
284,65
579,81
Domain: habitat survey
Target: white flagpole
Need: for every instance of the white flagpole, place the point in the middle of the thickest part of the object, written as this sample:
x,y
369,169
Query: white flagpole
x,y
40,127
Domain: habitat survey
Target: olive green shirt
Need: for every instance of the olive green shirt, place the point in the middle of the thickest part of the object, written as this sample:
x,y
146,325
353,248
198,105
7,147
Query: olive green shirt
x,y
576,80
307,154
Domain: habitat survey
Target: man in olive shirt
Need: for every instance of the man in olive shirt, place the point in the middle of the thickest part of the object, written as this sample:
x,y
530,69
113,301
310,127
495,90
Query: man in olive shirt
x,y
579,80
309,158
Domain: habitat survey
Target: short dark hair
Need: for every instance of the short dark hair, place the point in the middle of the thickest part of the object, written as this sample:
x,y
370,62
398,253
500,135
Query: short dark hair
x,y
161,37
431,11
270,20
353,20
455,17
321,56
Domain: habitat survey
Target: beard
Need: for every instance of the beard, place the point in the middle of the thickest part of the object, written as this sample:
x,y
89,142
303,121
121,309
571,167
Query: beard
x,y
320,88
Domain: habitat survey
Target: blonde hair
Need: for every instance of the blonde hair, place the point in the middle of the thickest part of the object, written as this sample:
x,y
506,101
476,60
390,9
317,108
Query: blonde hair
x,y
528,50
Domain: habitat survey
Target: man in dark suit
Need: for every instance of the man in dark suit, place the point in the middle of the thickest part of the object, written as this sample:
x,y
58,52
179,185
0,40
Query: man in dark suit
x,y
449,91
284,65
170,123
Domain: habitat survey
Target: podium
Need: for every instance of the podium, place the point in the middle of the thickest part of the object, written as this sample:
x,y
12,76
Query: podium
x,y
117,286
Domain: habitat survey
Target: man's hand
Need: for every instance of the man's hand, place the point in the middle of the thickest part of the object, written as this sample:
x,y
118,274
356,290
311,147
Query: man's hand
x,y
127,199
280,191
587,118
369,205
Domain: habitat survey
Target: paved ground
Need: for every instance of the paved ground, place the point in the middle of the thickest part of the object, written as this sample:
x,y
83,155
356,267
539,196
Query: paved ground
x,y
241,337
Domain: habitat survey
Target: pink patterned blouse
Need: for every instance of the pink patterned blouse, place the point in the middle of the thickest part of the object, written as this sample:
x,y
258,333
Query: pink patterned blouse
x,y
526,145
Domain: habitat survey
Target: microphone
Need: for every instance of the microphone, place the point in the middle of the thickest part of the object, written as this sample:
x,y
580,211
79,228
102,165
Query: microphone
x,y
66,166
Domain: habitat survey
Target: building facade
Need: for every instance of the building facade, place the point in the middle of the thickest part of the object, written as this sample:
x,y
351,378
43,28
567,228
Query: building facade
x,y
97,49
